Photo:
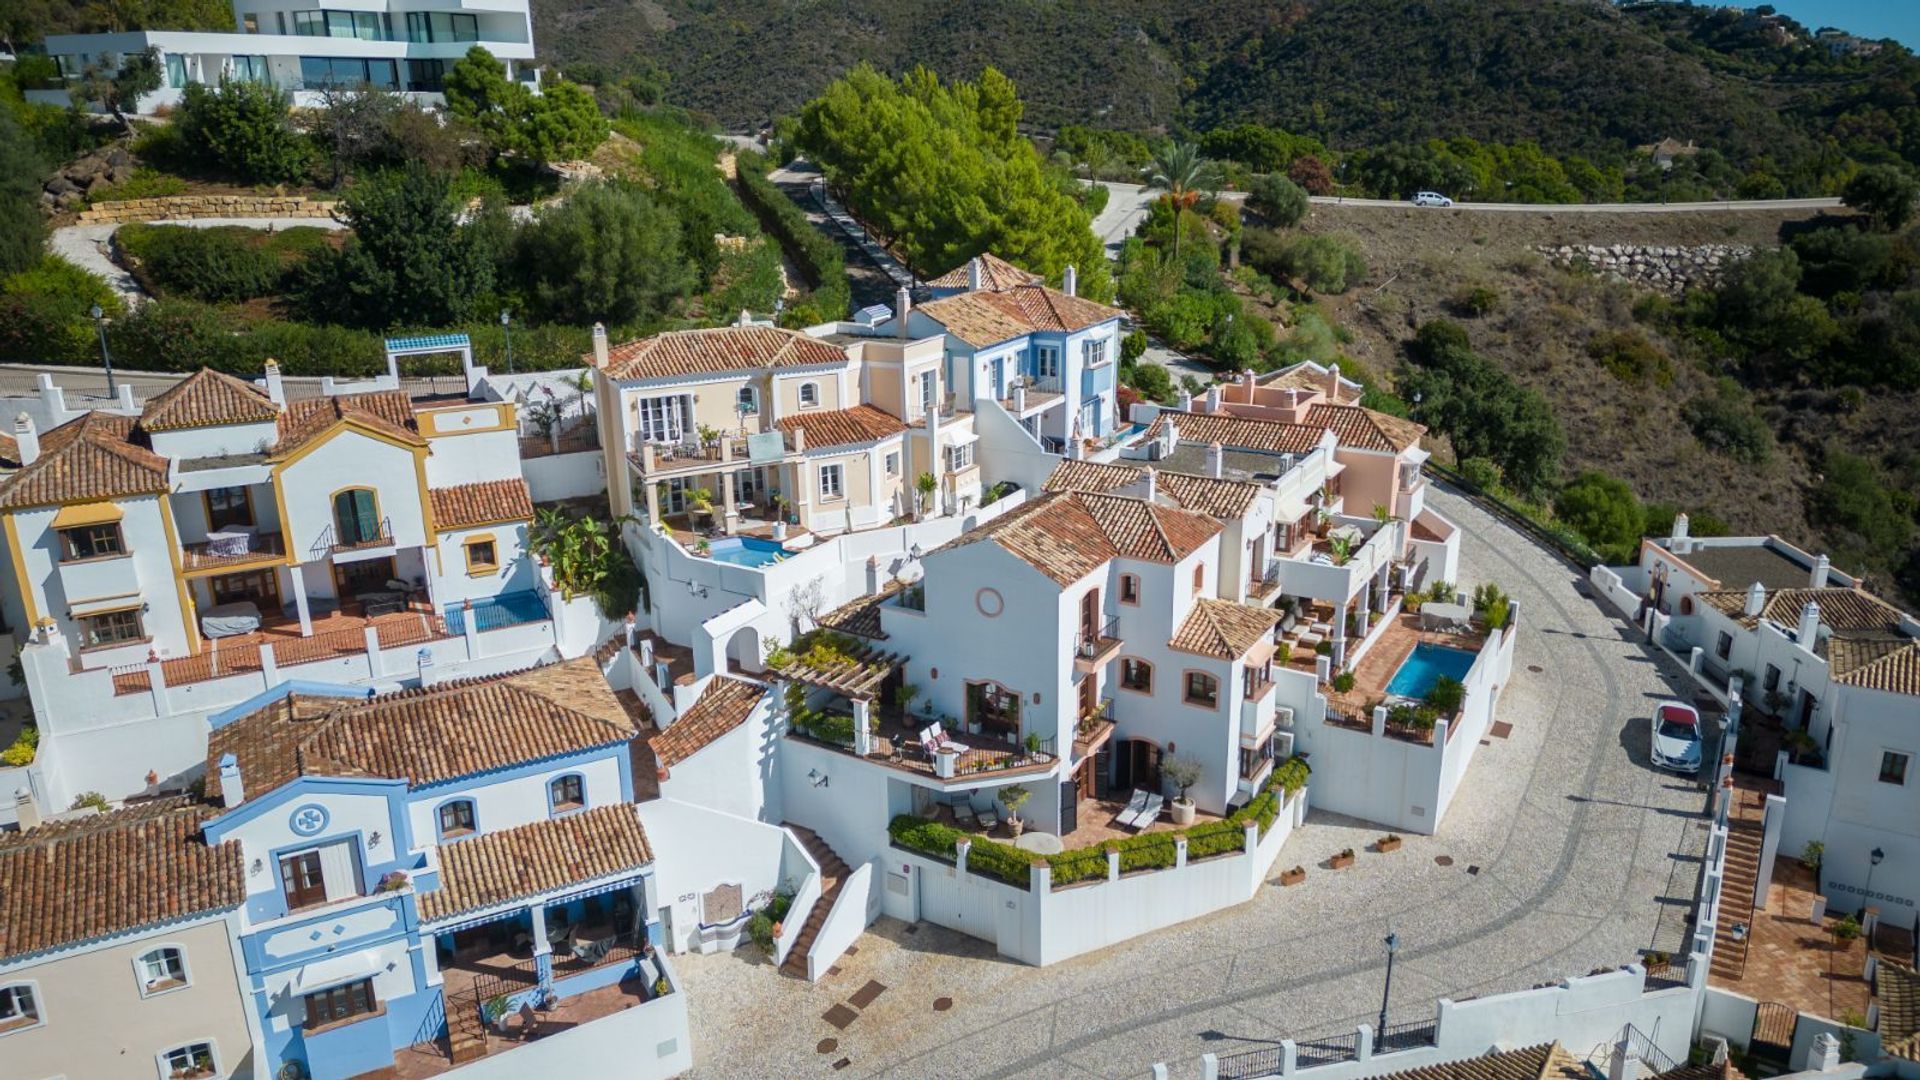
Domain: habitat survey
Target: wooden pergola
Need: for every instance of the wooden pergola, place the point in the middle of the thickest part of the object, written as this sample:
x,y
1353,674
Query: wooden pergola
x,y
858,678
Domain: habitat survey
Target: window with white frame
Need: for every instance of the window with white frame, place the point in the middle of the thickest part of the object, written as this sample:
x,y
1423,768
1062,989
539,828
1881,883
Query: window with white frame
x,y
18,1008
1093,351
161,969
809,395
959,457
1046,362
929,386
665,419
190,1060
832,481
747,401
893,463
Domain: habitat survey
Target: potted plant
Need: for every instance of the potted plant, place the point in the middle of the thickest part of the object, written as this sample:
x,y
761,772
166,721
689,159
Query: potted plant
x,y
1182,773
1811,855
1343,860
1033,744
1343,682
925,485
1389,842
1013,798
1294,876
702,548
493,1009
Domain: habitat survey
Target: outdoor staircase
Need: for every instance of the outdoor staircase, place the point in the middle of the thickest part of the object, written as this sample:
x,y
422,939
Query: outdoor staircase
x,y
466,1033
833,872
1743,871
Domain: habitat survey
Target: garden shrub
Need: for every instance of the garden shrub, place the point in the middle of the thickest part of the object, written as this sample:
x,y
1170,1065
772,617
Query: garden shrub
x,y
1447,695
219,264
1724,419
819,257
23,748
244,127
44,313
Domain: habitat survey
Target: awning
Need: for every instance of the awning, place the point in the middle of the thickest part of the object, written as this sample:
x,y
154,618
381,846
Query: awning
x,y
965,438
93,513
335,970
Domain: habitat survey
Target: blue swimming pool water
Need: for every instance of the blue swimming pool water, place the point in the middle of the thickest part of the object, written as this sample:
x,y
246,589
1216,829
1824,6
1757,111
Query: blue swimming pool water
x,y
747,551
507,609
1428,663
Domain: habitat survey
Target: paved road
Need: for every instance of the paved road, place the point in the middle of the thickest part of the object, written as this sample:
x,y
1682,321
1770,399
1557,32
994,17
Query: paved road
x,y
1126,207
1598,208
1566,849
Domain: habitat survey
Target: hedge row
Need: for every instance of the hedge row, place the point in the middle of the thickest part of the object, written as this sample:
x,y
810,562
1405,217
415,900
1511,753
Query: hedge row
x,y
225,263
819,257
1149,851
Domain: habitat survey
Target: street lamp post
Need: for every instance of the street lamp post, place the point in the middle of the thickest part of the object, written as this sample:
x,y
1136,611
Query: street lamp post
x,y
506,327
1393,946
100,323
1874,859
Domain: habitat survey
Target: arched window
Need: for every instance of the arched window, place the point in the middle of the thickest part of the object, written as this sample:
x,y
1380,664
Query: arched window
x,y
1202,689
456,818
161,969
566,793
1136,674
19,1007
356,516
747,401
809,395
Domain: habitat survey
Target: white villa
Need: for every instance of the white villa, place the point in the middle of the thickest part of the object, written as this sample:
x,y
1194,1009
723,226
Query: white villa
x,y
401,47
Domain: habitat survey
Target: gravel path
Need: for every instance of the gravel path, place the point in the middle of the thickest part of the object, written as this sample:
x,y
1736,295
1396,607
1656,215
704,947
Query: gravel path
x,y
1562,843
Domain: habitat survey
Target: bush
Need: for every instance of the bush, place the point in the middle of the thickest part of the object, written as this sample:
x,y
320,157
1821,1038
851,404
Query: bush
x,y
1605,511
1324,264
1630,357
220,264
1279,200
1475,301
1133,346
22,750
242,126
410,260
1884,192
760,930
1343,682
1724,419
819,257
1481,473
1447,695
44,313
145,183
1858,511
89,799
610,252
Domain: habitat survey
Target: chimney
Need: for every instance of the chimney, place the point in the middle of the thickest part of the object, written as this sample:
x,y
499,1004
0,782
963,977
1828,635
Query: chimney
x,y
232,791
1153,483
1248,381
902,303
26,809
1184,402
745,318
1213,398
276,390
600,346
1818,579
27,438
1826,1053
1169,436
1333,382
1756,600
973,274
1215,458
1679,526
1070,282
1680,543
1809,631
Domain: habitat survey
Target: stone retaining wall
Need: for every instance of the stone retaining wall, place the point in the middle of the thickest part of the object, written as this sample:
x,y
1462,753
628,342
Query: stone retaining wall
x,y
189,207
1668,269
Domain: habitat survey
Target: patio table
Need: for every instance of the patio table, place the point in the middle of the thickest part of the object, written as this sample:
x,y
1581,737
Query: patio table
x,y
1040,843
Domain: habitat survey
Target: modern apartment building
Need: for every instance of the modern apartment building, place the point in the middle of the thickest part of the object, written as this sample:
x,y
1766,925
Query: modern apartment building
x,y
306,51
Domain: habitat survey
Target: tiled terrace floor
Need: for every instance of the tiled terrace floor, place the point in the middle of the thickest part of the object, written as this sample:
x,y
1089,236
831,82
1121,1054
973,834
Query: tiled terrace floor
x,y
337,634
1793,961
431,1059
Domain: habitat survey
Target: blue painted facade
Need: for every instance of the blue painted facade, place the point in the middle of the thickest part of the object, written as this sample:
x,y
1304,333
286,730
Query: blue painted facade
x,y
1051,362
374,864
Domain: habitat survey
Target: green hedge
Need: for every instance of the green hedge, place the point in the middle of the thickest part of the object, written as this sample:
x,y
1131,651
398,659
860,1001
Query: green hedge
x,y
227,262
819,257
988,857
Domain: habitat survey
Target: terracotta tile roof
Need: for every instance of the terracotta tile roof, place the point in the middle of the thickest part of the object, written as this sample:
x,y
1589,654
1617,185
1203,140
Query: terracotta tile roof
x,y
996,273
861,617
717,349
386,411
425,736
1846,611
9,453
1207,495
1238,432
208,398
1896,671
1546,1062
1307,375
843,427
91,457
73,881
484,503
1898,992
512,864
1222,629
1093,476
987,318
1725,1070
1366,429
724,705
1068,535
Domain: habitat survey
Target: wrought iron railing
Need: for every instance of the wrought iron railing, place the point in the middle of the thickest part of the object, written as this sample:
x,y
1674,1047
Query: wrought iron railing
x,y
1408,1036
1326,1049
1032,752
1265,1061
1090,644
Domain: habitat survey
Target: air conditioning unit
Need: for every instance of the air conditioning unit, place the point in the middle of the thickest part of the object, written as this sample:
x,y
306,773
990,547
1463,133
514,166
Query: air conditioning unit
x,y
1283,717
1282,745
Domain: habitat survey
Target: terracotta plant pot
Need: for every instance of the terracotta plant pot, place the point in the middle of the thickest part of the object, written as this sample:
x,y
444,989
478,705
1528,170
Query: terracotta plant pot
x,y
1389,843
1342,860
1294,876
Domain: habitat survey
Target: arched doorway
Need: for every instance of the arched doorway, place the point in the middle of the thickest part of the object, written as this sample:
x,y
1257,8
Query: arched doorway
x,y
743,650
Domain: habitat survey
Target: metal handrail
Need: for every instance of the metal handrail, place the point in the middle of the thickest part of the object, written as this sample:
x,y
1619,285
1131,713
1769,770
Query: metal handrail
x,y
1088,646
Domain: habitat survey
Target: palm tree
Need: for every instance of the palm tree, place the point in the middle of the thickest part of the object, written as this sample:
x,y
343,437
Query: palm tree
x,y
1180,171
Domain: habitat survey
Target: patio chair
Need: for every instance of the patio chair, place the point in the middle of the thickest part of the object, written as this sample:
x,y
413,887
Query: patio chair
x,y
1151,813
963,814
1135,806
529,1022
988,818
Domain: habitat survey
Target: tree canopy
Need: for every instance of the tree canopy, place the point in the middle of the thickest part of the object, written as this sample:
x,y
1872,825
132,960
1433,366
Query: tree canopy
x,y
610,253
559,123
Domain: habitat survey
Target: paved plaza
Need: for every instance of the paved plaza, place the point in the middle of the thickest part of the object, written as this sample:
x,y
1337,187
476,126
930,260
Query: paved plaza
x,y
1564,852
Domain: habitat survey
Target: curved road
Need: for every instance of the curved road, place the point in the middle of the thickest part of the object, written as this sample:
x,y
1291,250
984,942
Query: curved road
x,y
1565,851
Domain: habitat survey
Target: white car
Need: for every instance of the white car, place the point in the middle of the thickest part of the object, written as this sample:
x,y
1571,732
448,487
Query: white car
x,y
1676,738
1430,198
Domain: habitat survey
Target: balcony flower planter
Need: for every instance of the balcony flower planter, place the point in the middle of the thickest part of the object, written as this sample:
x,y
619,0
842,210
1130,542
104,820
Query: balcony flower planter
x,y
1388,843
1294,876
1342,860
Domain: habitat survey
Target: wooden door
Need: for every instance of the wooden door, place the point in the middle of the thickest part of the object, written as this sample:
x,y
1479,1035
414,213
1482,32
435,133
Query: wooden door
x,y
1090,614
1089,695
1102,769
301,880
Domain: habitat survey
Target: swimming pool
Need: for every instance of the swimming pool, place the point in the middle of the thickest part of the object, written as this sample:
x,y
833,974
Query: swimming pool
x,y
747,551
1425,667
507,609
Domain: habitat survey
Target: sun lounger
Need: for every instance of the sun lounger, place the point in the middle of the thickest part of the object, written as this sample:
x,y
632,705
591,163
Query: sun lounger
x,y
988,818
1133,816
963,814
1152,812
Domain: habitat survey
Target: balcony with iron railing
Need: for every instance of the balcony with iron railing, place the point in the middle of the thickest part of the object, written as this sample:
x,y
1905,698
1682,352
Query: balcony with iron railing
x,y
362,536
1092,649
232,552
694,454
1264,582
1093,729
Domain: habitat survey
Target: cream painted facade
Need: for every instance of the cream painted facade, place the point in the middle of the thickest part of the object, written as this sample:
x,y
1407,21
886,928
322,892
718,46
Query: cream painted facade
x,y
100,1022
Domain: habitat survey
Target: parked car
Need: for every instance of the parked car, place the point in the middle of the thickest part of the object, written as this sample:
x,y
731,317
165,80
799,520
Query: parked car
x,y
1676,738
1430,198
